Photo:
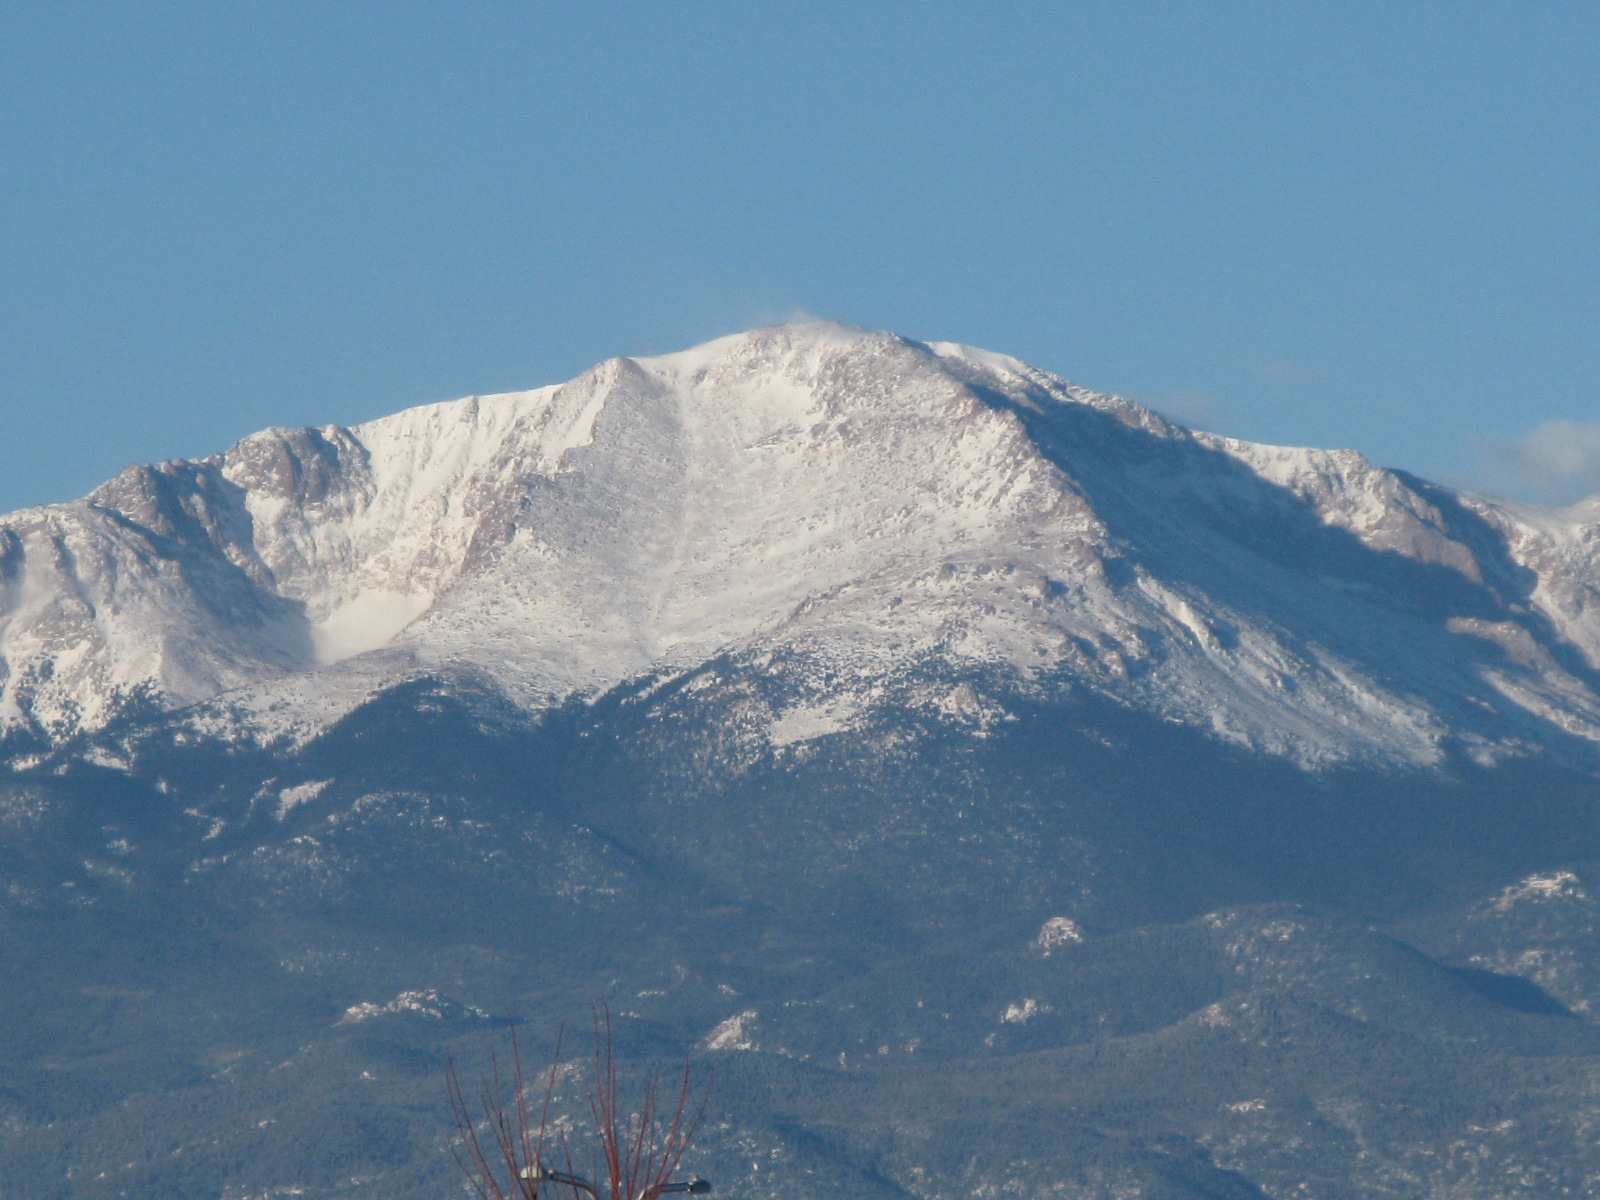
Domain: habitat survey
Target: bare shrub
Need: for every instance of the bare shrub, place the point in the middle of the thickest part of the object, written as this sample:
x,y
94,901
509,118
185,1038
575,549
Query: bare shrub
x,y
633,1149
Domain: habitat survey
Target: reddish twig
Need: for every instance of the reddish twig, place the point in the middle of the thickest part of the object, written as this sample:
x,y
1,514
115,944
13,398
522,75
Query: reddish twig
x,y
634,1154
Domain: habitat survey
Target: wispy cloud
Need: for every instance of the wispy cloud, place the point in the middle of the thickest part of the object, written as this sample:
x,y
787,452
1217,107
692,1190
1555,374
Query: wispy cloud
x,y
1282,372
1193,409
1556,462
774,314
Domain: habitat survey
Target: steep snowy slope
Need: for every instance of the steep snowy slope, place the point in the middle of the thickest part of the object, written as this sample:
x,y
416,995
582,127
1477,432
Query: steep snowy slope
x,y
885,523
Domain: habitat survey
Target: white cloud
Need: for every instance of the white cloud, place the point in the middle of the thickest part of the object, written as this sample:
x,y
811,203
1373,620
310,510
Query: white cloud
x,y
776,314
1557,462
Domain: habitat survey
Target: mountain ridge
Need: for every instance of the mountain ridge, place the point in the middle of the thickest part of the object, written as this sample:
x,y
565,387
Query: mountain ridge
x,y
896,517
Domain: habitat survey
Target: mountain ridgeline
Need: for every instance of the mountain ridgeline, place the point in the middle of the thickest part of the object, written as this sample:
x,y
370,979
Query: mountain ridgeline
x,y
1002,788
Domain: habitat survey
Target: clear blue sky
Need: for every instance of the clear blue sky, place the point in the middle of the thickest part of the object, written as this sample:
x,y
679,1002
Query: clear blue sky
x,y
1340,223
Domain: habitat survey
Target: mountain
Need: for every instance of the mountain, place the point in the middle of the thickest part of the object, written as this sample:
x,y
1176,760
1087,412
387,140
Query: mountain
x,y
1005,789
863,508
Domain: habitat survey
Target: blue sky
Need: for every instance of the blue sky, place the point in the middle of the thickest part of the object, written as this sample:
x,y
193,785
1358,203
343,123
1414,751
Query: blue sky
x,y
1340,224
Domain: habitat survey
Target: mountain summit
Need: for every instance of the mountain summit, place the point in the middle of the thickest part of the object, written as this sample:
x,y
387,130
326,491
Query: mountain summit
x,y
882,522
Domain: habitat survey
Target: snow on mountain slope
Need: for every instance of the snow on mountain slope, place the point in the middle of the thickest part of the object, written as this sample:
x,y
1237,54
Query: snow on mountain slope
x,y
888,522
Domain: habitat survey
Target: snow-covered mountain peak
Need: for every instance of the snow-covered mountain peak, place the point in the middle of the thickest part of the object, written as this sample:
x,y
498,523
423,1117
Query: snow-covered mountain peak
x,y
888,523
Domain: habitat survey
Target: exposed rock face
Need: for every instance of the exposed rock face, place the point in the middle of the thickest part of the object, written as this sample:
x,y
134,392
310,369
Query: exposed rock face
x,y
868,514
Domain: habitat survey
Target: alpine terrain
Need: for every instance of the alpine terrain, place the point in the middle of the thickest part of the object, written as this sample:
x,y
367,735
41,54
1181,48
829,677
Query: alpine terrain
x,y
1002,789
